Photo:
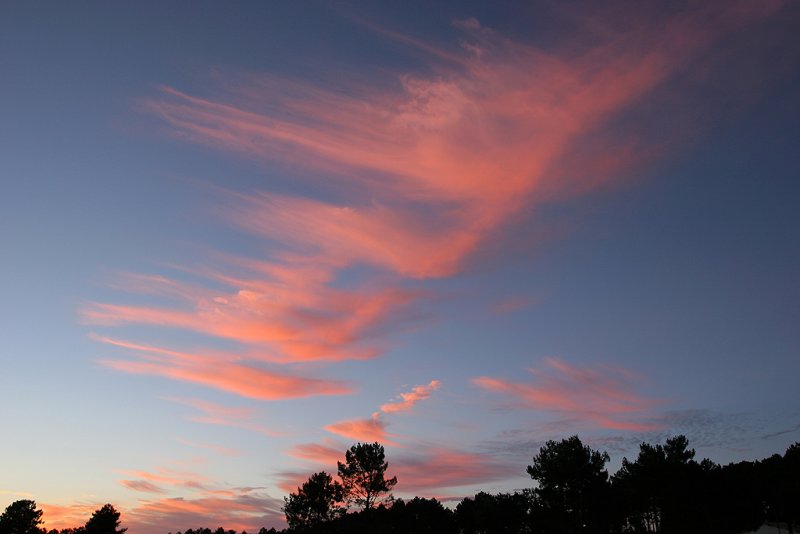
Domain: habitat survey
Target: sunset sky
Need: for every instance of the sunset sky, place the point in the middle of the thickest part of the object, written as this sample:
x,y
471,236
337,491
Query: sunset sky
x,y
238,237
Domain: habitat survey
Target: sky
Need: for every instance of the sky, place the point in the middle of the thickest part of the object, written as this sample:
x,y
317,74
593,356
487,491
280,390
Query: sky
x,y
237,238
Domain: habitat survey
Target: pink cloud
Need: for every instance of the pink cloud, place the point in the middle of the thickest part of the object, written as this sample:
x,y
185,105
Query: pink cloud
x,y
411,179
283,310
426,472
164,476
439,468
239,509
221,372
366,430
602,396
425,172
409,399
141,485
59,516
327,453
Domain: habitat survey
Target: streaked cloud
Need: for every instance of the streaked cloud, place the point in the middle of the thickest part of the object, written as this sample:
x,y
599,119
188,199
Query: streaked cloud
x,y
59,516
165,476
440,468
602,396
367,430
409,399
222,372
424,471
239,509
283,310
142,485
328,452
411,176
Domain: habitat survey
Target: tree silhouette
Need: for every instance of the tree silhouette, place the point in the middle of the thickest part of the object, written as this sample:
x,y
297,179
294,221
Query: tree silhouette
x,y
364,475
104,521
504,513
663,489
315,502
21,517
573,487
422,516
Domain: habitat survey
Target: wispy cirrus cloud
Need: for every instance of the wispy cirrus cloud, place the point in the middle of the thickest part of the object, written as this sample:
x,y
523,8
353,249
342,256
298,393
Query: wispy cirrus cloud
x,y
155,480
239,509
328,452
372,429
142,485
438,468
600,396
412,177
60,516
410,398
284,311
424,471
191,498
222,372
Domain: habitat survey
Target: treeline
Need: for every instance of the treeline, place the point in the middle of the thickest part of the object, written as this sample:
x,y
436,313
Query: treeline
x,y
24,517
663,490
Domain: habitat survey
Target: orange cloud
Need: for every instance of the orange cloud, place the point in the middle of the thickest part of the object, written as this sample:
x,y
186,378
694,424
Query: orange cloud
x,y
411,179
164,476
445,160
602,396
239,509
423,473
221,372
141,485
327,453
409,399
57,516
286,312
441,468
367,430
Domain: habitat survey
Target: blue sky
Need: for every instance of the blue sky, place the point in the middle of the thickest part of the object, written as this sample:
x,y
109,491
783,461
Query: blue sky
x,y
238,238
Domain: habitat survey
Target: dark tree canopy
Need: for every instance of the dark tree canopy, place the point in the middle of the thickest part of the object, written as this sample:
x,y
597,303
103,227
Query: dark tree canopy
x,y
659,490
663,491
315,502
573,486
504,513
104,521
364,475
21,517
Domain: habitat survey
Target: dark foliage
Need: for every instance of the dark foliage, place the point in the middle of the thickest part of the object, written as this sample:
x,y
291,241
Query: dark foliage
x,y
315,502
363,475
104,521
574,492
664,490
21,517
504,513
